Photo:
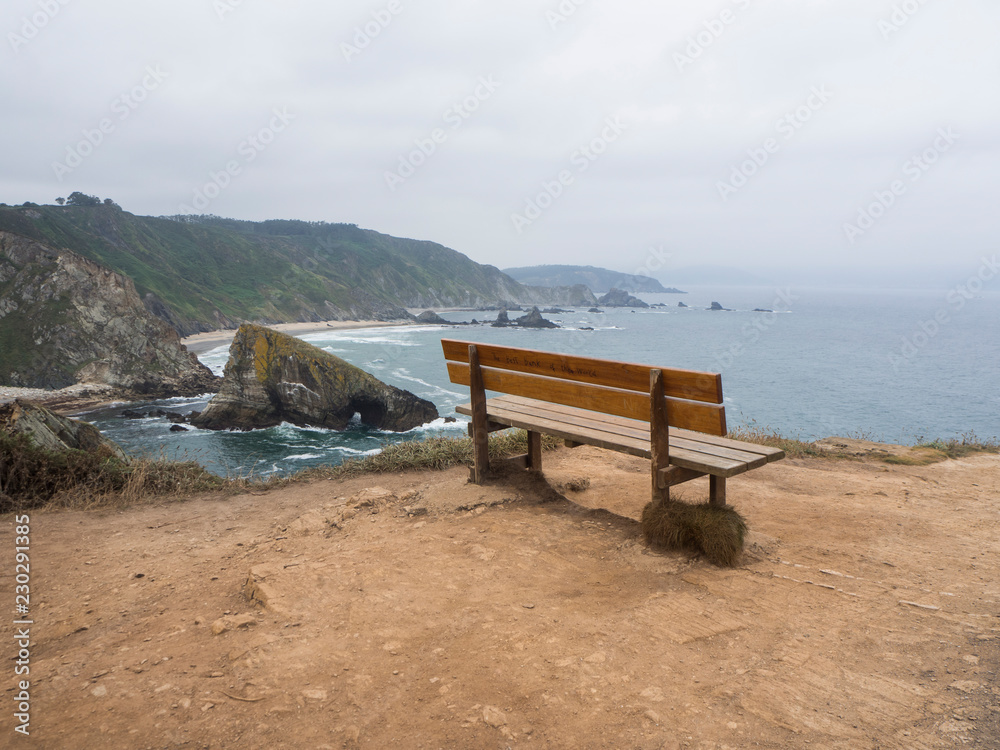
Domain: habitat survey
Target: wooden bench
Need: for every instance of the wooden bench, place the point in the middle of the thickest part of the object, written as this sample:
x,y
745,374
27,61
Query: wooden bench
x,y
673,417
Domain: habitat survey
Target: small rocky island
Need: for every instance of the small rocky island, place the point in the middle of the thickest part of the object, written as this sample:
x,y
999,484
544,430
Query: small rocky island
x,y
620,298
272,377
533,319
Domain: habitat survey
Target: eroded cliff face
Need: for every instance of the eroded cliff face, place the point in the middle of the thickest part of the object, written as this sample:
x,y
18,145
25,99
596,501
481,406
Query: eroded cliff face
x,y
65,319
53,432
272,377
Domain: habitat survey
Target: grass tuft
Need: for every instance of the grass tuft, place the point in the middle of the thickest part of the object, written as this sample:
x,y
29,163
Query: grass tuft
x,y
717,531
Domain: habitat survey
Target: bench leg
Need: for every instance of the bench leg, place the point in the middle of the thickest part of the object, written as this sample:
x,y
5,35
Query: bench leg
x,y
660,494
717,490
534,450
659,437
480,423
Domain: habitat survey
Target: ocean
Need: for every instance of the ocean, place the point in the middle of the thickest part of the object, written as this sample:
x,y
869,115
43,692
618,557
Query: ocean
x,y
901,366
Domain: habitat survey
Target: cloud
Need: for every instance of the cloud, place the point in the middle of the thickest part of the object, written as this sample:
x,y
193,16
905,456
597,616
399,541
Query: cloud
x,y
700,89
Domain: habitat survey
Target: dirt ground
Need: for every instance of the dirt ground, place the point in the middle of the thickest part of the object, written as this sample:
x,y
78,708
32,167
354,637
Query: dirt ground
x,y
527,613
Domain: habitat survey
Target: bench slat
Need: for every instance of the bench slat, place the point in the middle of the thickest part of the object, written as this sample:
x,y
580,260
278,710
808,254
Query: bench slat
x,y
629,427
691,415
609,437
677,383
600,438
769,453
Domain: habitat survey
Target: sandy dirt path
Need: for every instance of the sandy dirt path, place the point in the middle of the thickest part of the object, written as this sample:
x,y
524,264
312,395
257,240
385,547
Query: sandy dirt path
x,y
522,614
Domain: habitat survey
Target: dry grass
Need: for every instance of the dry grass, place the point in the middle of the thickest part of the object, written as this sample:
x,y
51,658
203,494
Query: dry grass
x,y
755,433
923,453
966,445
32,477
433,453
718,531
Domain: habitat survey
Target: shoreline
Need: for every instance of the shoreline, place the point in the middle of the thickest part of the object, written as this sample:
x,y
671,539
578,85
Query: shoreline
x,y
71,400
200,343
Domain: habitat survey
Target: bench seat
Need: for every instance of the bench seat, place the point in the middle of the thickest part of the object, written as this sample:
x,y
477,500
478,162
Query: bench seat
x,y
695,451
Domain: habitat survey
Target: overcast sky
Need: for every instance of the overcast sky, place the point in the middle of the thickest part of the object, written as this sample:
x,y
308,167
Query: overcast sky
x,y
859,134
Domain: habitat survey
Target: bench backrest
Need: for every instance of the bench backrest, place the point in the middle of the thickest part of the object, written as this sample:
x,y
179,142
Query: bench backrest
x,y
694,399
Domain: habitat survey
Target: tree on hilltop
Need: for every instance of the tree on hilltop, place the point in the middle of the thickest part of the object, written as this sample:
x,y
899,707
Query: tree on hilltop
x,y
77,198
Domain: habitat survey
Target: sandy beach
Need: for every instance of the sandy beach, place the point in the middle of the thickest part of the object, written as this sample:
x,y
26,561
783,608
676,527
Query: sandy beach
x,y
203,342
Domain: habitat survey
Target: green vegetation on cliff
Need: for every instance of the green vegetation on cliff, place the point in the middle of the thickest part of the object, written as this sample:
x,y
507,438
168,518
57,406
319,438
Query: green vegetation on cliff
x,y
205,272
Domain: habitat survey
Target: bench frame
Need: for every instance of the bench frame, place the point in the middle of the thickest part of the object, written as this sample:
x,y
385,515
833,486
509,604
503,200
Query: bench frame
x,y
673,417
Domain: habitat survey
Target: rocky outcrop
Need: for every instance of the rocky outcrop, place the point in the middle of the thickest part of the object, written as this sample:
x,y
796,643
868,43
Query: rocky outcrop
x,y
717,306
52,432
534,319
620,298
272,377
65,319
429,317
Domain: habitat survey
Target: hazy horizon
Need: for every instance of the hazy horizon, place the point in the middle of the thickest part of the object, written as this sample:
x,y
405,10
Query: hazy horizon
x,y
805,140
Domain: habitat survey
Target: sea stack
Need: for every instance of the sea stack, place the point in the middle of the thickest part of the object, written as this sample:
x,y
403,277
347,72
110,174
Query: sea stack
x,y
272,377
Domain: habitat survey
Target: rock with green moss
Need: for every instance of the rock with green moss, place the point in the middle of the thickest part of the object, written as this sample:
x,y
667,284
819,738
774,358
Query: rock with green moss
x,y
272,377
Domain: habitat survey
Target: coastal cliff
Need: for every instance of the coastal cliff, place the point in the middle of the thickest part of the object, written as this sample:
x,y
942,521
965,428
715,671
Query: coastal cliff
x,y
272,377
65,319
205,273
